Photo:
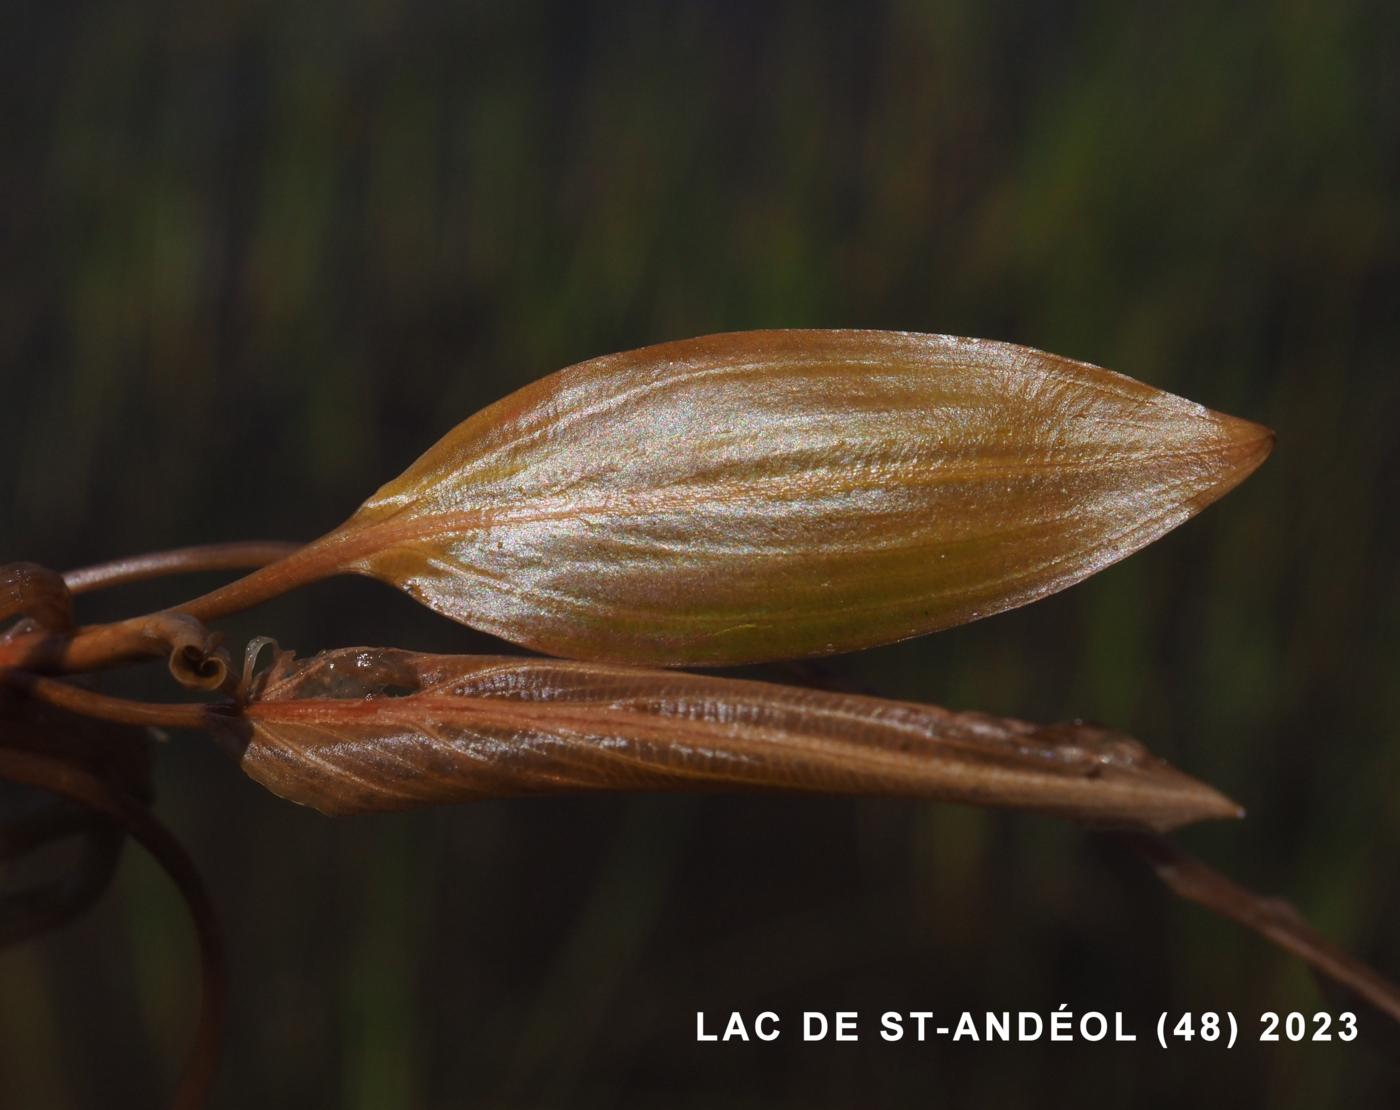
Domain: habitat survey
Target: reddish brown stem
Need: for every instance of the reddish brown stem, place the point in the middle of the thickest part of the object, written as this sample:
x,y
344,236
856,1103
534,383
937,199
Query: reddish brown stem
x,y
191,648
1272,918
307,563
337,552
45,907
75,699
181,560
62,778
106,645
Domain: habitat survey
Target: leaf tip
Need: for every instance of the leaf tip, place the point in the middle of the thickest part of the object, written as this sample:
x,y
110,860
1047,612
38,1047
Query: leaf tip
x,y
1195,801
1244,445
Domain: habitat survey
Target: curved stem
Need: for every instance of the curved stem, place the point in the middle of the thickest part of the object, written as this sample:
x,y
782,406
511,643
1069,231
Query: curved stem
x,y
62,778
180,560
105,645
42,908
307,563
89,703
341,551
191,648
253,589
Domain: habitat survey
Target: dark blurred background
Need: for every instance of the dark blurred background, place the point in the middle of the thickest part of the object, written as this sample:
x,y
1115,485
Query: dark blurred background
x,y
257,256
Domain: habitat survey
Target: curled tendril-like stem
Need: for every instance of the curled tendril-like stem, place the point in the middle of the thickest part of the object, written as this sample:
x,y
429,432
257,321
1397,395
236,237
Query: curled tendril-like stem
x,y
46,639
196,659
205,667
59,777
250,677
200,663
46,906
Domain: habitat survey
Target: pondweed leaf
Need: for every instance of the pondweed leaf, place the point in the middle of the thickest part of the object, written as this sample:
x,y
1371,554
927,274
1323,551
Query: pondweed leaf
x,y
363,729
777,494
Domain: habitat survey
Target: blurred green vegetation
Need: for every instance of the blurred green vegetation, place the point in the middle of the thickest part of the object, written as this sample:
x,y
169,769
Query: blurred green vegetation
x,y
256,256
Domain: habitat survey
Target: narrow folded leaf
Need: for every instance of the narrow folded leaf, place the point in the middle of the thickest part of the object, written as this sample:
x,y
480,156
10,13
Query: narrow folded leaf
x,y
778,494
363,729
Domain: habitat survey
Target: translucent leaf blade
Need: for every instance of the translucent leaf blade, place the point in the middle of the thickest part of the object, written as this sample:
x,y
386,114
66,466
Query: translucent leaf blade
x,y
781,494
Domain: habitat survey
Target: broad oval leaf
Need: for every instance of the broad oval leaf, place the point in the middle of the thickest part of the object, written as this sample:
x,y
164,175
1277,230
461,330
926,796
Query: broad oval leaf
x,y
367,729
777,494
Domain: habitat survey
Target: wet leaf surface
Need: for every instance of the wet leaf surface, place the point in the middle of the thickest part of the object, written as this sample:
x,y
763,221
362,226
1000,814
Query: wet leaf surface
x,y
365,729
778,494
